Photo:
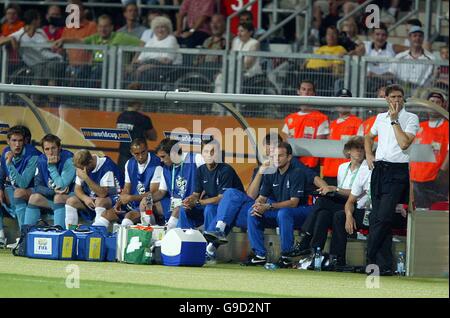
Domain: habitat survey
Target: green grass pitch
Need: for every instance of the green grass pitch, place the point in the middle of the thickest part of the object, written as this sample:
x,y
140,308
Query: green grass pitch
x,y
24,277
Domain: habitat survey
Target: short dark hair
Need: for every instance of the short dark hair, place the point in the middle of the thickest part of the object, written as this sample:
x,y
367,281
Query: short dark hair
x,y
132,3
26,133
394,87
213,142
15,130
166,145
246,13
307,81
353,142
415,22
30,16
105,17
138,141
14,7
271,137
383,27
51,138
248,26
287,146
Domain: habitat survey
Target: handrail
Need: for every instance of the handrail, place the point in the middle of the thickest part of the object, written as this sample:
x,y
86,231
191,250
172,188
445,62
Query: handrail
x,y
406,17
352,13
231,16
283,23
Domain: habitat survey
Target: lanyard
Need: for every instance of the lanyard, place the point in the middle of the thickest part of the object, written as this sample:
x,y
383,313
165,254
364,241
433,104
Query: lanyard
x,y
173,174
345,176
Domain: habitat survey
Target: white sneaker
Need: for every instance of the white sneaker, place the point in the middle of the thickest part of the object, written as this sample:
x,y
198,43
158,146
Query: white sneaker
x,y
13,245
2,242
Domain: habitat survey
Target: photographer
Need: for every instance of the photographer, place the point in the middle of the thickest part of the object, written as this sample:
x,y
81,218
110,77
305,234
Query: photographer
x,y
348,36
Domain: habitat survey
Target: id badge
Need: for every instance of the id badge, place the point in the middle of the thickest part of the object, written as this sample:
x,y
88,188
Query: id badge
x,y
175,203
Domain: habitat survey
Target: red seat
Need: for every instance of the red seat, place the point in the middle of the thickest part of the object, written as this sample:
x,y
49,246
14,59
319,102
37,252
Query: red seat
x,y
440,206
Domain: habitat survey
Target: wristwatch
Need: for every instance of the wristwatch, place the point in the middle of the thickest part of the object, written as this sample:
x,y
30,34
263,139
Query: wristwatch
x,y
395,122
197,203
337,189
270,206
192,30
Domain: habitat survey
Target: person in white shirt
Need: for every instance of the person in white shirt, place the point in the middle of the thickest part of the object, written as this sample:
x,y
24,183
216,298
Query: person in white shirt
x,y
414,74
162,38
390,185
315,228
44,63
244,42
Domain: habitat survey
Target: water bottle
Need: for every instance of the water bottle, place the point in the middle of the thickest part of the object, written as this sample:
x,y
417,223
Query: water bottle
x,y
270,265
368,209
401,270
318,260
148,218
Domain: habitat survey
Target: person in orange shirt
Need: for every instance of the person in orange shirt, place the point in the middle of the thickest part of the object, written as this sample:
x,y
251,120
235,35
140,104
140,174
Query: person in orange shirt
x,y
307,123
364,129
79,60
430,179
342,128
12,22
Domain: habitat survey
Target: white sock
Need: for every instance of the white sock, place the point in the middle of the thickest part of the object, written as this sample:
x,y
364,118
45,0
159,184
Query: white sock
x,y
2,233
101,221
127,222
392,11
221,225
98,212
172,223
71,216
211,249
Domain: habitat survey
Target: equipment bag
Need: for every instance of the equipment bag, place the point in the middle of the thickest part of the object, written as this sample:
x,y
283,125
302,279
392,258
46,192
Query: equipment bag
x,y
50,243
137,247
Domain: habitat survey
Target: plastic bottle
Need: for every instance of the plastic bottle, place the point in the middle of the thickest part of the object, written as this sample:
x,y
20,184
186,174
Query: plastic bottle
x,y
148,218
401,270
270,265
368,210
318,259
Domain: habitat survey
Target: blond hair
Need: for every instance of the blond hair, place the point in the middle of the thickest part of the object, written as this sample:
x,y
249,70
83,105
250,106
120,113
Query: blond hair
x,y
82,158
162,21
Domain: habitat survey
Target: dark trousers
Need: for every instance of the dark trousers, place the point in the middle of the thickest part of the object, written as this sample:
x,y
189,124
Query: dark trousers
x,y
389,186
338,245
321,218
331,180
197,38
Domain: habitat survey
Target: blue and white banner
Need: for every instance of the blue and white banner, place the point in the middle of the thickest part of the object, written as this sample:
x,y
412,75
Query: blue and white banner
x,y
4,128
187,138
106,134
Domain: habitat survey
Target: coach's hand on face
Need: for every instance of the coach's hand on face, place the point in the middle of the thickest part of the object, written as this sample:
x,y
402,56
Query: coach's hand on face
x,y
394,109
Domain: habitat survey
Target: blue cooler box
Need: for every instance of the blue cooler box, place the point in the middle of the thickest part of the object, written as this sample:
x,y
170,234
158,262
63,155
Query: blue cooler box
x,y
183,248
90,246
51,245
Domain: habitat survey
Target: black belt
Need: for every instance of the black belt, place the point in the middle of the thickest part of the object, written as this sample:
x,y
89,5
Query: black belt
x,y
392,164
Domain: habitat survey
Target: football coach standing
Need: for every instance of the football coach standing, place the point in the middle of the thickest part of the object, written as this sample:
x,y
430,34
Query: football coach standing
x,y
389,186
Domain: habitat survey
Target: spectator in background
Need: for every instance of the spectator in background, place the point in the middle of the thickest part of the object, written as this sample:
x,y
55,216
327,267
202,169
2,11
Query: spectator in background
x,y
198,13
132,27
348,37
12,21
244,42
324,72
44,63
379,73
343,128
148,33
442,71
307,123
56,23
162,38
138,124
79,60
416,74
320,24
409,24
430,179
247,16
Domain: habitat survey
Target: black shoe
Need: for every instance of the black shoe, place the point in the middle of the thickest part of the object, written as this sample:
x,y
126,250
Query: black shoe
x,y
255,261
216,237
302,248
385,272
285,262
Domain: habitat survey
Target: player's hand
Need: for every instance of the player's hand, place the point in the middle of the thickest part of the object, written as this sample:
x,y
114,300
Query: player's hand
x,y
189,202
89,203
8,157
62,191
53,159
125,198
82,174
2,197
350,224
260,208
327,189
263,169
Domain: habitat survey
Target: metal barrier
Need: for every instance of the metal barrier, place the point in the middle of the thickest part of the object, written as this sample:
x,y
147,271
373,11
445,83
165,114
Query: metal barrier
x,y
413,75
